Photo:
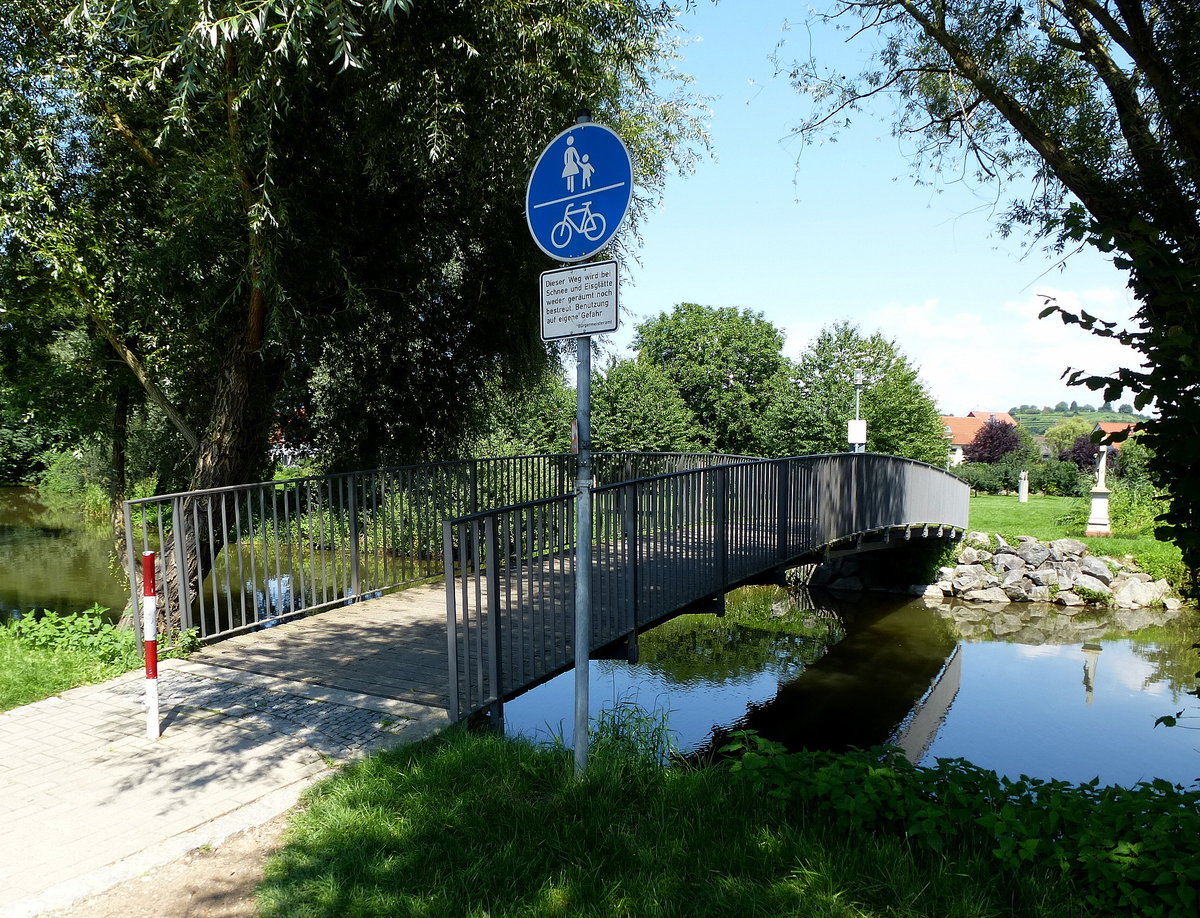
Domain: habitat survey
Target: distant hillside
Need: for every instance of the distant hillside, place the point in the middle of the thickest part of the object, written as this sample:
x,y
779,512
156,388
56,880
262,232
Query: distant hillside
x,y
1038,420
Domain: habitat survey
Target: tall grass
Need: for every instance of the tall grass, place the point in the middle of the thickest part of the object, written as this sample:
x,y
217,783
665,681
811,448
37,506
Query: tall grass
x,y
478,825
49,654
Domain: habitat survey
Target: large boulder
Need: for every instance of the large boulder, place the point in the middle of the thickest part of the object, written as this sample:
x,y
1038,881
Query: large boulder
x,y
1135,593
1044,576
1088,582
1007,562
1069,547
1034,554
1094,567
1018,590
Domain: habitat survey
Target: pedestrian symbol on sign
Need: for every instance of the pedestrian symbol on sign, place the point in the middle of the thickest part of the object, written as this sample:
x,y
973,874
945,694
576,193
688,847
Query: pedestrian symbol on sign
x,y
579,192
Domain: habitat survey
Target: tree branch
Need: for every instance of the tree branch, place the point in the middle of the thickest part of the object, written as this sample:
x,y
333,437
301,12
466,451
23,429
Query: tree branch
x,y
145,153
139,371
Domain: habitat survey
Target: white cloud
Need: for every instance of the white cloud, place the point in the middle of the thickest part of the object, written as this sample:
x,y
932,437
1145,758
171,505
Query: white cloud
x,y
994,357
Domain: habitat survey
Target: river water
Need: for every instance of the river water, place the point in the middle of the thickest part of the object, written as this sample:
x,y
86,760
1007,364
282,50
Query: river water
x,y
1064,697
1052,696
54,559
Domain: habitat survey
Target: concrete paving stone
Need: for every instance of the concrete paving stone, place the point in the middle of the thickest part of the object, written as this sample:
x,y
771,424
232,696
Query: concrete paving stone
x,y
93,800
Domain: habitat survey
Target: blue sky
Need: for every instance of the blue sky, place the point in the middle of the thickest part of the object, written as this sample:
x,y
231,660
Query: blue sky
x,y
809,236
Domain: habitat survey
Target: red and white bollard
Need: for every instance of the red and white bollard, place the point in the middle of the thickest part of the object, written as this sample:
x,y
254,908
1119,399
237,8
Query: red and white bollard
x,y
150,636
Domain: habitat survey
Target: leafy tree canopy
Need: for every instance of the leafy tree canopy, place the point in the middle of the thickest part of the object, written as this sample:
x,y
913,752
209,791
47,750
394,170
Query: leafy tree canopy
x,y
812,404
1063,435
636,407
255,210
533,419
722,361
1087,114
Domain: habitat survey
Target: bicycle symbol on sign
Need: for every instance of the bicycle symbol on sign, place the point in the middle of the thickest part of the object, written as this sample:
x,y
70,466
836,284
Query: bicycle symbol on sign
x,y
591,225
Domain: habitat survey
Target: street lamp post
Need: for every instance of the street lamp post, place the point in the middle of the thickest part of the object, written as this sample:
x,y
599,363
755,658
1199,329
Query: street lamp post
x,y
856,430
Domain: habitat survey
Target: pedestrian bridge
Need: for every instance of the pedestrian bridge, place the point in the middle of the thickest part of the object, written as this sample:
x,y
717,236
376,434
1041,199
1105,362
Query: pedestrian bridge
x,y
670,533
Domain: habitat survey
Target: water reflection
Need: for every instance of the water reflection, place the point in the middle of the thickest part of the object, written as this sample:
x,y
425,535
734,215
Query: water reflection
x,y
53,558
1018,689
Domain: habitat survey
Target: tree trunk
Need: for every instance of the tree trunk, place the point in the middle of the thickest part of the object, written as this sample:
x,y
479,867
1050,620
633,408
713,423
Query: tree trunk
x,y
118,486
231,453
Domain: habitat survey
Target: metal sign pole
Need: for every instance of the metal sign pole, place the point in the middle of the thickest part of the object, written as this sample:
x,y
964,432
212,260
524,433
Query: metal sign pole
x,y
583,547
578,196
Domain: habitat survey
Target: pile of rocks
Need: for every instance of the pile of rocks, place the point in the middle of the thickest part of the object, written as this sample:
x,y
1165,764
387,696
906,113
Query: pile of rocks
x,y
1062,572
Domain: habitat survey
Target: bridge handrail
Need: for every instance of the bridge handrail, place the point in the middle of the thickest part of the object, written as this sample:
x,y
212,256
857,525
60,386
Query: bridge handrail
x,y
250,555
660,544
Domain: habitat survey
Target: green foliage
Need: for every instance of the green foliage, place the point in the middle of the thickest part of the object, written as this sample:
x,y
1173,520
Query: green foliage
x,y
722,361
49,653
1062,436
1090,595
1133,463
1058,479
1133,851
811,405
220,217
637,408
1134,506
467,824
87,632
531,420
982,477
1094,107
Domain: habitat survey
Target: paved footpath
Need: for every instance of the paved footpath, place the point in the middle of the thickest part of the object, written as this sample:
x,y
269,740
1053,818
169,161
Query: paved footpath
x,y
87,800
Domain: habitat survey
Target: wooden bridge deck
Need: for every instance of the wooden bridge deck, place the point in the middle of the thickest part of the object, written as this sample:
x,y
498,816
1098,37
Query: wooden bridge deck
x,y
391,647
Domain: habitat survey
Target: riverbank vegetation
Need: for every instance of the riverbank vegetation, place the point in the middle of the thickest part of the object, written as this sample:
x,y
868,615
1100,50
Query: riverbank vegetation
x,y
1046,517
46,654
474,824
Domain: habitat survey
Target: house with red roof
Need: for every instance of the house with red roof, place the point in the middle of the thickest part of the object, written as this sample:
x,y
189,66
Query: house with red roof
x,y
961,431
1112,427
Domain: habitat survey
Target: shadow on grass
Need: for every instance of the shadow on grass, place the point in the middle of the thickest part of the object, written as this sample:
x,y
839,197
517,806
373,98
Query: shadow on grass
x,y
477,825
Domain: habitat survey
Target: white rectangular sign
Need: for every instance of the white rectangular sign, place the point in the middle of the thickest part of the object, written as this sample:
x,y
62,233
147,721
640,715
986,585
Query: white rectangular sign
x,y
579,301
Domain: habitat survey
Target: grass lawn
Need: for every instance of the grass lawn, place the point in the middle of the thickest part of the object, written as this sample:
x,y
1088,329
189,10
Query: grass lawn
x,y
476,825
1048,518
29,674
1040,517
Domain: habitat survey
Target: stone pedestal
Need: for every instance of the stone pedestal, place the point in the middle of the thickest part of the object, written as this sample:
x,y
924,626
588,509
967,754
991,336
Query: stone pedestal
x,y
1023,488
1098,524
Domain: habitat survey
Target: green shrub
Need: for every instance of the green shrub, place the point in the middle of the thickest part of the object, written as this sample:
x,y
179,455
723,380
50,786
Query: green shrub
x,y
86,632
1057,478
1133,506
981,477
1129,850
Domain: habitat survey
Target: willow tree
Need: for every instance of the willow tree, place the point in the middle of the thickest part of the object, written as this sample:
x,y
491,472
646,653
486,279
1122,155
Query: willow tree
x,y
269,209
1087,113
313,207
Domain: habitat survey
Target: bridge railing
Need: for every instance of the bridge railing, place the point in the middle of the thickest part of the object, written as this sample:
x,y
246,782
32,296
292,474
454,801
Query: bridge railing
x,y
239,558
659,544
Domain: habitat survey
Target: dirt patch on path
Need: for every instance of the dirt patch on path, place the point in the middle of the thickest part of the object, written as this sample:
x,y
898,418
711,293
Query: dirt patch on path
x,y
207,883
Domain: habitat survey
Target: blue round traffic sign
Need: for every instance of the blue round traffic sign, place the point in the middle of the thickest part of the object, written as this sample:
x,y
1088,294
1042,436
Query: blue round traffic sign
x,y
579,192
